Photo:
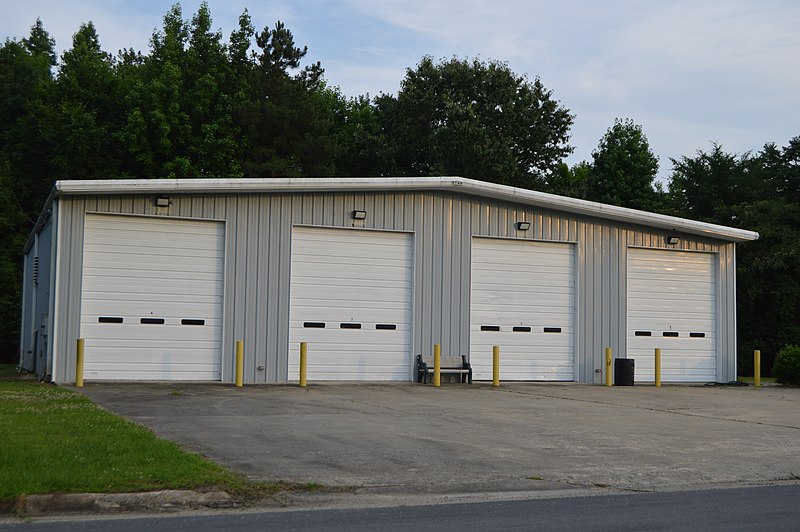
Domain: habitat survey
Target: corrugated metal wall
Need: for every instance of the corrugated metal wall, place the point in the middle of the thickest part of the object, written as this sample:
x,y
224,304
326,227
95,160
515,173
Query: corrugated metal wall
x,y
258,257
35,331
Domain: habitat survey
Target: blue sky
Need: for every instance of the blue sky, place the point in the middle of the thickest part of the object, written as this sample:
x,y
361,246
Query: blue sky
x,y
689,72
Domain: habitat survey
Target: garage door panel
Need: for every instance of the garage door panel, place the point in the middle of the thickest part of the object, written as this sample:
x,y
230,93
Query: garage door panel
x,y
203,299
138,359
152,268
524,306
523,284
360,290
203,305
123,264
138,307
353,277
150,336
525,341
365,282
134,281
675,292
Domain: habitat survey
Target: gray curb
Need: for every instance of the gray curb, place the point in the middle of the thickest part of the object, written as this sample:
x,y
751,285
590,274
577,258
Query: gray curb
x,y
152,501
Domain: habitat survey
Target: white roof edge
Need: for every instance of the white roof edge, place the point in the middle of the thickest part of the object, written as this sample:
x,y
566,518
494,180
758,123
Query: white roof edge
x,y
460,184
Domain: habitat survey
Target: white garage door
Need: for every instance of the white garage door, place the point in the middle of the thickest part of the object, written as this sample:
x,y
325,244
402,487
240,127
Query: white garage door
x,y
672,305
351,302
522,299
151,303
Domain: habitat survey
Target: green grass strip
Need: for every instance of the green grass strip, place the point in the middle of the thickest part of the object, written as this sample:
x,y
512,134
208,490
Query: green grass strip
x,y
54,440
765,380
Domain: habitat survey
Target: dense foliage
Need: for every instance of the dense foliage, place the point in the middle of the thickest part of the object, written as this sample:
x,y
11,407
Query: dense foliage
x,y
475,120
787,365
198,105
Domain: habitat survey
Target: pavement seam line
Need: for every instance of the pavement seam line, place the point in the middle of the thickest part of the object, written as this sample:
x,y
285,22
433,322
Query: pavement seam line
x,y
651,409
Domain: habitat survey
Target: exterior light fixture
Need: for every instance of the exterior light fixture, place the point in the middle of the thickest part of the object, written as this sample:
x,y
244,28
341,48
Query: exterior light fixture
x,y
523,226
162,201
359,215
672,240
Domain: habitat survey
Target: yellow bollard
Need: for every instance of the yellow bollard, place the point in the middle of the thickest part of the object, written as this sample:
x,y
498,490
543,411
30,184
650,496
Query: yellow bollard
x,y
239,363
303,363
609,357
437,365
79,364
658,366
757,367
496,366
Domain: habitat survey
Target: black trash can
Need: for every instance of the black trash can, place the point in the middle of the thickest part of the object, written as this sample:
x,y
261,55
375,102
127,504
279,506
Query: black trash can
x,y
623,371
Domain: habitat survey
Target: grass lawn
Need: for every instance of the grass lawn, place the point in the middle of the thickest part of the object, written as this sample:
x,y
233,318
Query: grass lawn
x,y
764,380
53,440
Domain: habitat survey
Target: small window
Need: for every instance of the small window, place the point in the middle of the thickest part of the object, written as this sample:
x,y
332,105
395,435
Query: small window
x,y
192,321
385,326
152,321
490,327
643,333
109,319
314,324
552,329
349,325
697,335
671,334
522,329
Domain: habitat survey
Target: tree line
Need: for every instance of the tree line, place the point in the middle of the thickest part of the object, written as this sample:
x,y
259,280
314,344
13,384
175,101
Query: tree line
x,y
199,105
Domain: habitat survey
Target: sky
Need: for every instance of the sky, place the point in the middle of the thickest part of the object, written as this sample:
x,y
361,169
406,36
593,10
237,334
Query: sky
x,y
690,72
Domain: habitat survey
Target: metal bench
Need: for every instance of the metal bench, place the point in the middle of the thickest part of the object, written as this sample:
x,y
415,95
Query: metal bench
x,y
449,364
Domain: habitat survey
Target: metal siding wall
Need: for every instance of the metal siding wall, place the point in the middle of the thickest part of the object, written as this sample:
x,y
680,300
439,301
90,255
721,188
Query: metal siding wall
x,y
28,311
42,318
68,284
726,288
258,249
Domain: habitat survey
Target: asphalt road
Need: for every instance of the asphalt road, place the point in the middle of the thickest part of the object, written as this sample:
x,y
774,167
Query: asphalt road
x,y
754,508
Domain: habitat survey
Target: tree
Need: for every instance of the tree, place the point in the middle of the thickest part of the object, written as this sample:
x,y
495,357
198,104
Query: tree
x,y
708,186
179,120
572,182
286,118
26,92
624,168
26,117
360,150
474,119
87,111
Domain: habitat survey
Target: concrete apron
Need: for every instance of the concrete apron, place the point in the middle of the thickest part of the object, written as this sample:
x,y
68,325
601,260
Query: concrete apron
x,y
414,439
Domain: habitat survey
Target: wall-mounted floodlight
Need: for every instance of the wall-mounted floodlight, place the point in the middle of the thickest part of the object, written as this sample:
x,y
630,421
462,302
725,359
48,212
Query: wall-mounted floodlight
x,y
162,201
672,240
523,226
359,215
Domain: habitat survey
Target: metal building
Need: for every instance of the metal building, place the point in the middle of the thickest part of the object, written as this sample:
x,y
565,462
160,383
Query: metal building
x,y
161,277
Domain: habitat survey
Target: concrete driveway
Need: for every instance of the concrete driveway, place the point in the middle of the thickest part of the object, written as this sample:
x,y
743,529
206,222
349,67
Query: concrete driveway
x,y
410,438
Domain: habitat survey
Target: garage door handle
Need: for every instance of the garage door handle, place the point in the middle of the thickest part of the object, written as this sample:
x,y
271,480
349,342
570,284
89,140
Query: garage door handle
x,y
552,329
643,333
490,327
521,329
349,325
152,321
314,324
109,319
386,326
697,335
670,334
192,321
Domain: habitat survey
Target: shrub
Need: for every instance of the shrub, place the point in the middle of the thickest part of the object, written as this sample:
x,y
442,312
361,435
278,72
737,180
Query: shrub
x,y
786,369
